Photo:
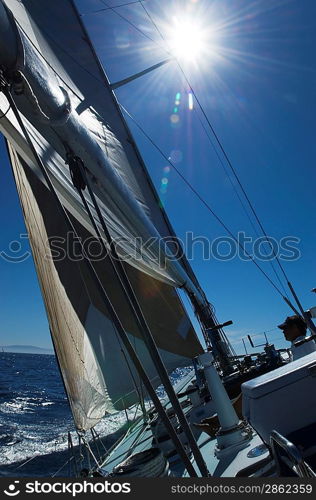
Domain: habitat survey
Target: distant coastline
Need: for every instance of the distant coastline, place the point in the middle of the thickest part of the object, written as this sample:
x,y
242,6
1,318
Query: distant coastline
x,y
26,349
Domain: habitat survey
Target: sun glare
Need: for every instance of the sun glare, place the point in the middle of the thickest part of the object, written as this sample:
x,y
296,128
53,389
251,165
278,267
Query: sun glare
x,y
190,40
186,40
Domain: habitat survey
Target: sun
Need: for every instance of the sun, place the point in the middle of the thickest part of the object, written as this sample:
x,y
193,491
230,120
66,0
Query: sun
x,y
186,41
192,41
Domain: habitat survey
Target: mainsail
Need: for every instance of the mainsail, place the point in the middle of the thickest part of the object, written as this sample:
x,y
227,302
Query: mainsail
x,y
66,102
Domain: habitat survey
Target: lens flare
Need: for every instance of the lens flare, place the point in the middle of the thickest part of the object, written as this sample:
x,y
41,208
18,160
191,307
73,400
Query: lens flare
x,y
174,119
190,101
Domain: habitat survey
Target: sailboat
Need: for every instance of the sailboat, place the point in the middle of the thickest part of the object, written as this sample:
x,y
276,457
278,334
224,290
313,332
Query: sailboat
x,y
117,323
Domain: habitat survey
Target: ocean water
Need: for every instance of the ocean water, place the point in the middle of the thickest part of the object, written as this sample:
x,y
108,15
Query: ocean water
x,y
35,419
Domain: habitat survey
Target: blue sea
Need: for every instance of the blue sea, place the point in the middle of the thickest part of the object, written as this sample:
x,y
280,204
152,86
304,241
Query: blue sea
x,y
35,419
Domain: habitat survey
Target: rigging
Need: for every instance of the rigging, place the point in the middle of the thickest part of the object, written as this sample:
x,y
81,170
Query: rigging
x,y
215,135
205,203
110,8
5,112
289,284
304,315
285,297
212,129
225,156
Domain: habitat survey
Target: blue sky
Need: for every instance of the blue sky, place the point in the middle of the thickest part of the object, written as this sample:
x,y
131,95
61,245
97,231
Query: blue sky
x,y
257,84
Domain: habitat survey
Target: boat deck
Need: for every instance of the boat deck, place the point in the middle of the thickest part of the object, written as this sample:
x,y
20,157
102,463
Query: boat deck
x,y
140,438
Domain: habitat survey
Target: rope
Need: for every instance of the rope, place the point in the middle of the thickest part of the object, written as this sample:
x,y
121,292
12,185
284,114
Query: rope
x,y
61,468
24,463
93,434
111,8
134,26
100,440
6,112
89,450
200,198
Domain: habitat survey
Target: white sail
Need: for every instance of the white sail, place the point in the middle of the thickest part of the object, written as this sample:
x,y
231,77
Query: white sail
x,y
97,371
